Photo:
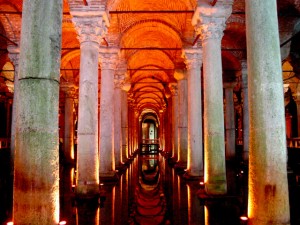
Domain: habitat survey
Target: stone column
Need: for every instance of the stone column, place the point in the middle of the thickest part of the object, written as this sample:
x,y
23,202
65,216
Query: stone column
x,y
229,121
174,90
129,103
108,59
135,130
36,178
245,111
193,61
69,90
119,80
297,100
268,198
162,131
14,55
182,119
211,23
89,29
124,122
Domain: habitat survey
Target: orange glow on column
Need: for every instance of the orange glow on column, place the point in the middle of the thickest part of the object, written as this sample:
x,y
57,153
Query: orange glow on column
x,y
206,215
189,196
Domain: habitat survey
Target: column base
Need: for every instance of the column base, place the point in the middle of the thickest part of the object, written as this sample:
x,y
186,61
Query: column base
x,y
121,167
180,165
87,190
109,176
216,188
193,176
172,160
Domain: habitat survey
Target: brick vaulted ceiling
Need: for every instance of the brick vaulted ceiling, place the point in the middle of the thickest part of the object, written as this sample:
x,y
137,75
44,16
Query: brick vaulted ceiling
x,y
150,35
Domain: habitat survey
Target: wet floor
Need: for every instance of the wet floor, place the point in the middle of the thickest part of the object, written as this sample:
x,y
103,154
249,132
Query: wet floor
x,y
152,192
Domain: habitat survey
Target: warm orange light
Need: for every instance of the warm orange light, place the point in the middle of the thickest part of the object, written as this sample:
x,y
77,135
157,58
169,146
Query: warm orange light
x,y
62,222
10,223
244,218
201,183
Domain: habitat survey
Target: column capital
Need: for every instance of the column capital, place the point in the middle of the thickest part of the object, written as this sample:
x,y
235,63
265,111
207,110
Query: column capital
x,y
192,58
119,81
69,89
108,58
14,54
209,21
173,88
229,85
90,28
122,68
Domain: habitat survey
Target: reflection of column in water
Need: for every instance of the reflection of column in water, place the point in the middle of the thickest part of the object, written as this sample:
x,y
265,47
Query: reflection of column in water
x,y
124,193
87,212
195,210
66,193
107,211
206,215
175,197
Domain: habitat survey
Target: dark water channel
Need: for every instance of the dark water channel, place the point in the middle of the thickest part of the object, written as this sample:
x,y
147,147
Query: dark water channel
x,y
150,192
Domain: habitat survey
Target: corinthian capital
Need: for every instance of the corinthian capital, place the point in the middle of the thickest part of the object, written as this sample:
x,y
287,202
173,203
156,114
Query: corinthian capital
x,y
192,58
90,29
212,28
209,21
69,89
108,58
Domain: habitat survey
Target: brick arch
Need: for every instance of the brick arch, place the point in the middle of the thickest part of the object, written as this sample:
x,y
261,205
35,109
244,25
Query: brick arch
x,y
66,62
162,4
11,22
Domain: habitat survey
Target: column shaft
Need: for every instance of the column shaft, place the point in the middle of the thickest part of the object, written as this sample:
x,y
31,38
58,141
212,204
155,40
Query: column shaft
x,y
124,126
117,125
229,122
195,153
214,150
107,156
182,122
36,183
174,121
87,132
268,201
245,112
69,129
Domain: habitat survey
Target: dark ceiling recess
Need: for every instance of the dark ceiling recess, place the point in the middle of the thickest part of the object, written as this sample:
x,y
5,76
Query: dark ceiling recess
x,y
213,2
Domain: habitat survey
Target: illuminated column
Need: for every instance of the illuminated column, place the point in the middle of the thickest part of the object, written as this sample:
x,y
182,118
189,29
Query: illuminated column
x,y
129,103
193,61
119,80
108,59
174,90
297,100
245,111
229,121
89,34
268,201
136,130
162,130
14,55
211,23
69,90
124,123
36,184
182,119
